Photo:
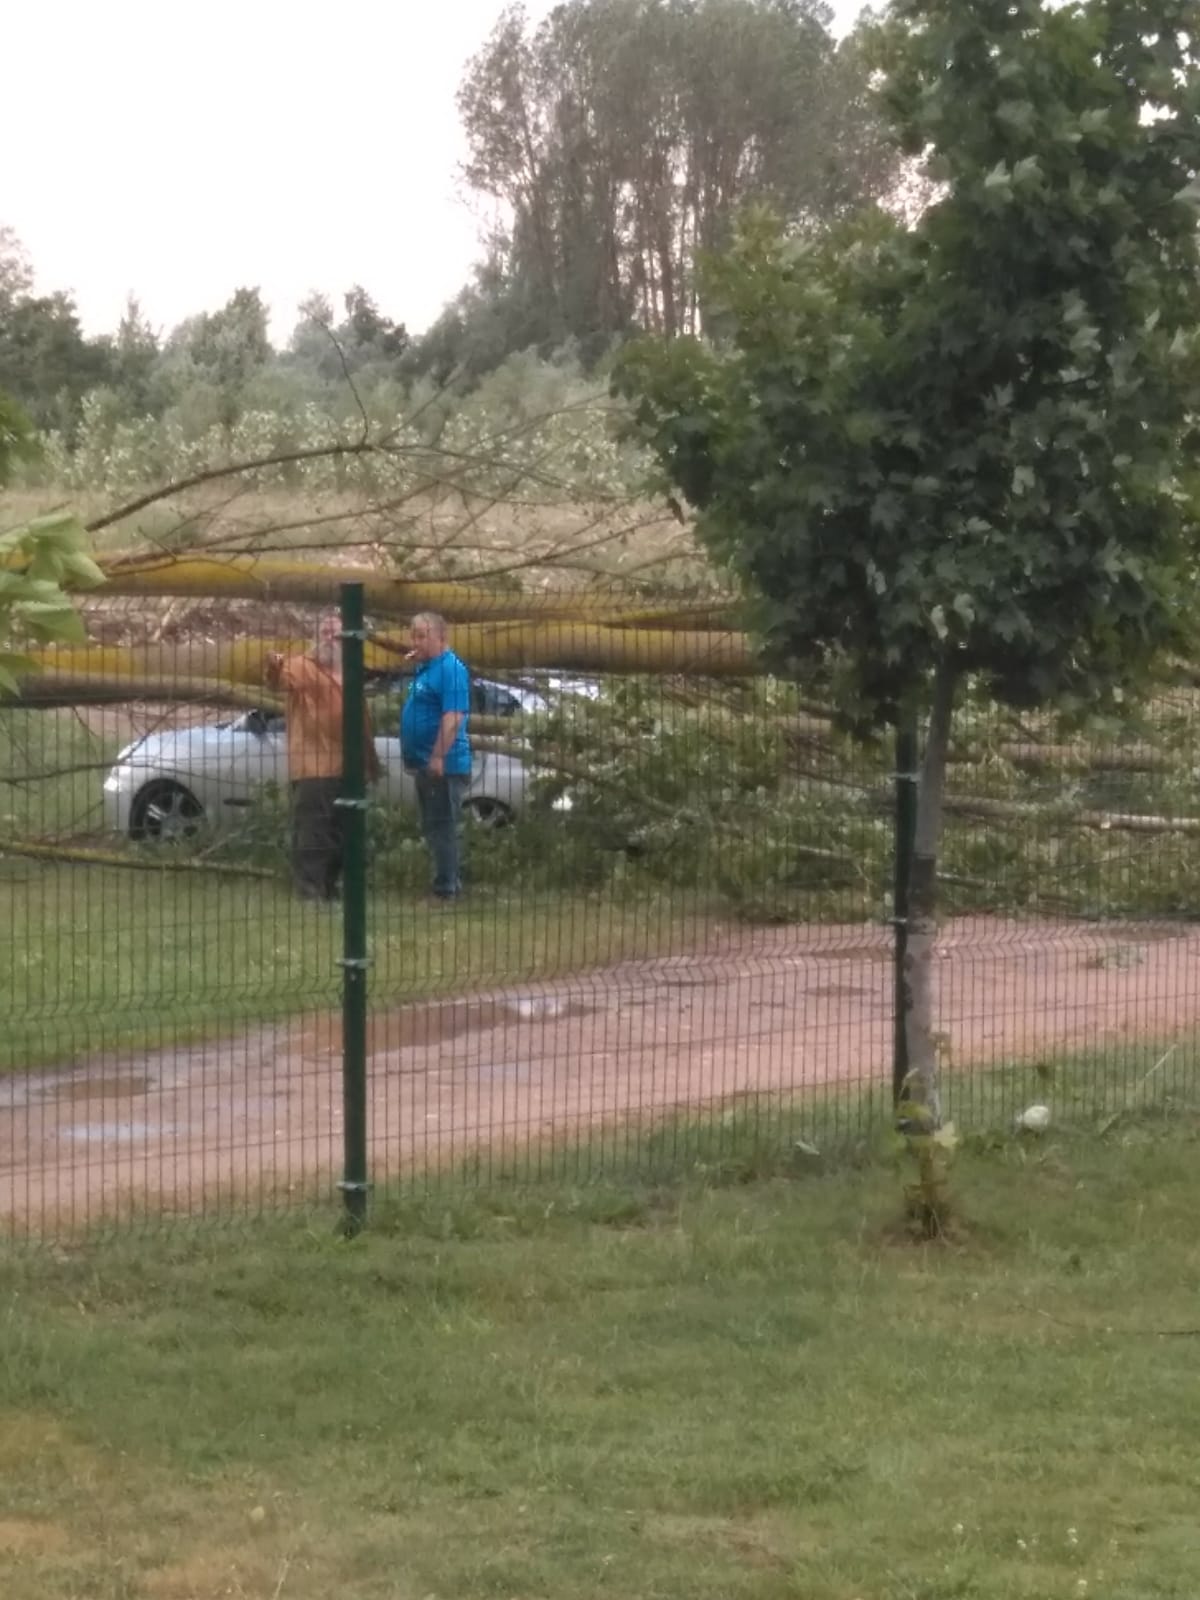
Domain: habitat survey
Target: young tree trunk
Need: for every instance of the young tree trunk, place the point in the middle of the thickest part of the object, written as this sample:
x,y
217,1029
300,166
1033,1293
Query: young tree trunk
x,y
923,1090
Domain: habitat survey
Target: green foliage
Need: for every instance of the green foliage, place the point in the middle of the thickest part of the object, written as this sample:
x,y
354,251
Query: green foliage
x,y
528,423
620,137
227,347
135,357
36,561
17,441
45,361
366,345
963,443
739,797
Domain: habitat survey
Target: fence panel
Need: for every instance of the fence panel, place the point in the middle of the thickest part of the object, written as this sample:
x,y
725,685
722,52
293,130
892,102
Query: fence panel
x,y
674,946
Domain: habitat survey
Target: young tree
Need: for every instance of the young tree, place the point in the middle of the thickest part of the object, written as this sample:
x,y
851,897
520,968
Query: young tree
x,y
961,449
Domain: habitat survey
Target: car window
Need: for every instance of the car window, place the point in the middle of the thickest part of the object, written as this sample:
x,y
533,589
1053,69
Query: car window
x,y
493,699
384,683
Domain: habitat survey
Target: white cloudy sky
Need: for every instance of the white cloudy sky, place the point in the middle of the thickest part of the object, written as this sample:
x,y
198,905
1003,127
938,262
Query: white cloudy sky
x,y
179,148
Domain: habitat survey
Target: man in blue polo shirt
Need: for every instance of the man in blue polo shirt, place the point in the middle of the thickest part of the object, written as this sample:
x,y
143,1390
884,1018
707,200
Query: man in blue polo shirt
x,y
434,744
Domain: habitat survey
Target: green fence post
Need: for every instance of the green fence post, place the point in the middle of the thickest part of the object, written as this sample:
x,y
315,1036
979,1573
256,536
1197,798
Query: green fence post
x,y
905,835
353,804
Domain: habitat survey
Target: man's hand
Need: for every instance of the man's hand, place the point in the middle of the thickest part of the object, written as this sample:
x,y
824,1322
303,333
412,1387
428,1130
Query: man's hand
x,y
437,766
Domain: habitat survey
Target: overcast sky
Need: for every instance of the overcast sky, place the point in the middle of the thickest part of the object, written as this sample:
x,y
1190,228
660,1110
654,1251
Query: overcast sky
x,y
181,148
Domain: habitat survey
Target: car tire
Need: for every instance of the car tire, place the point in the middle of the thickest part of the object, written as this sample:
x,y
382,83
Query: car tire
x,y
165,813
484,812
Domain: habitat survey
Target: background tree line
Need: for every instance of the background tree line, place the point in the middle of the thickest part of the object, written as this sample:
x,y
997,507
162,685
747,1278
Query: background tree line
x,y
621,138
615,142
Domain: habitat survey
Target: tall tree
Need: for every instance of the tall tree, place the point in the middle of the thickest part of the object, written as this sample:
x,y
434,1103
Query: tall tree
x,y
621,137
16,272
45,360
364,339
962,449
46,363
229,346
368,334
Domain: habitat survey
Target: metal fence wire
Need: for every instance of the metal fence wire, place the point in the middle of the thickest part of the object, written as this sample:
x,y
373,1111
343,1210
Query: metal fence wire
x,y
228,990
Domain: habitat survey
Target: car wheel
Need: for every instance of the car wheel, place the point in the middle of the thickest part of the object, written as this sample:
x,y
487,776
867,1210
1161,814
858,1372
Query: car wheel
x,y
485,812
166,813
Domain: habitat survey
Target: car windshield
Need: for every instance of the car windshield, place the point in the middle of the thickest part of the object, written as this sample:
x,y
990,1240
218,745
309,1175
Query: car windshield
x,y
488,699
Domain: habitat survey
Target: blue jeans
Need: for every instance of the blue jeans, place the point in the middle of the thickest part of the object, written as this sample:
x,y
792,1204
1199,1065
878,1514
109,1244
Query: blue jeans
x,y
439,801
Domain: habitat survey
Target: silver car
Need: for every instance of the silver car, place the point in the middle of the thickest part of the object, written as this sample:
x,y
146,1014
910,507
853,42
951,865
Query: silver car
x,y
165,785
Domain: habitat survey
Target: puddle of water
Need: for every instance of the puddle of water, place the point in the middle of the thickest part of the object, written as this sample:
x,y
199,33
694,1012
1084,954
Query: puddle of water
x,y
95,1088
541,1007
513,1070
849,952
115,1132
419,1026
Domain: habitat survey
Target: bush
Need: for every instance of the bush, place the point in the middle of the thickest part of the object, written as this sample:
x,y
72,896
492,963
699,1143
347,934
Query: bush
x,y
530,422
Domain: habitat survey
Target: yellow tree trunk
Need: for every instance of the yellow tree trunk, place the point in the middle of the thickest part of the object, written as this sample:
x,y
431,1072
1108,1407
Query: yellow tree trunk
x,y
52,687
568,646
268,578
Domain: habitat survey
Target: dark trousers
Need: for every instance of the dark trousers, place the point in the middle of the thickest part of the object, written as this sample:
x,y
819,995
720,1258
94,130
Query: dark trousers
x,y
316,837
439,801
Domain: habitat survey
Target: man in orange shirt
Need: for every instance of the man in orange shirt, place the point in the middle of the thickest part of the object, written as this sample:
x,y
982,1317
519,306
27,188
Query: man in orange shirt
x,y
312,686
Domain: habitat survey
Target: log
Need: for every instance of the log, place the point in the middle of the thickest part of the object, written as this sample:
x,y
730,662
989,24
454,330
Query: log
x,y
41,850
272,578
569,647
1100,821
1079,758
52,688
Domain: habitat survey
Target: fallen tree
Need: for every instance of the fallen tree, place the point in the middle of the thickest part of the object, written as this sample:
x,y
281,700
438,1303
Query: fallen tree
x,y
48,850
53,688
269,578
567,646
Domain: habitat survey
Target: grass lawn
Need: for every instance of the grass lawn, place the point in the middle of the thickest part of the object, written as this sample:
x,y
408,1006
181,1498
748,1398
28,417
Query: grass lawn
x,y
92,957
754,1391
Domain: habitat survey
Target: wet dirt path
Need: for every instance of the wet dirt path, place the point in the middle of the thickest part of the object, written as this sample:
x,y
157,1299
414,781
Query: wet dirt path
x,y
235,1122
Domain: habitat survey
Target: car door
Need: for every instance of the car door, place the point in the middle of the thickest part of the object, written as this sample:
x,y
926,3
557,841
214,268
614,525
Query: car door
x,y
395,786
250,759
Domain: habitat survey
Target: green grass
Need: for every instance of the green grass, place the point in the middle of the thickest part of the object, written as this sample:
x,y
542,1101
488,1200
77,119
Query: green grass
x,y
93,956
760,1391
52,769
791,1133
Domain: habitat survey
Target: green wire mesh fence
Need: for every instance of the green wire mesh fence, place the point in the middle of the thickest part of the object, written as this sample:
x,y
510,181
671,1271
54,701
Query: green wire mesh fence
x,y
675,944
